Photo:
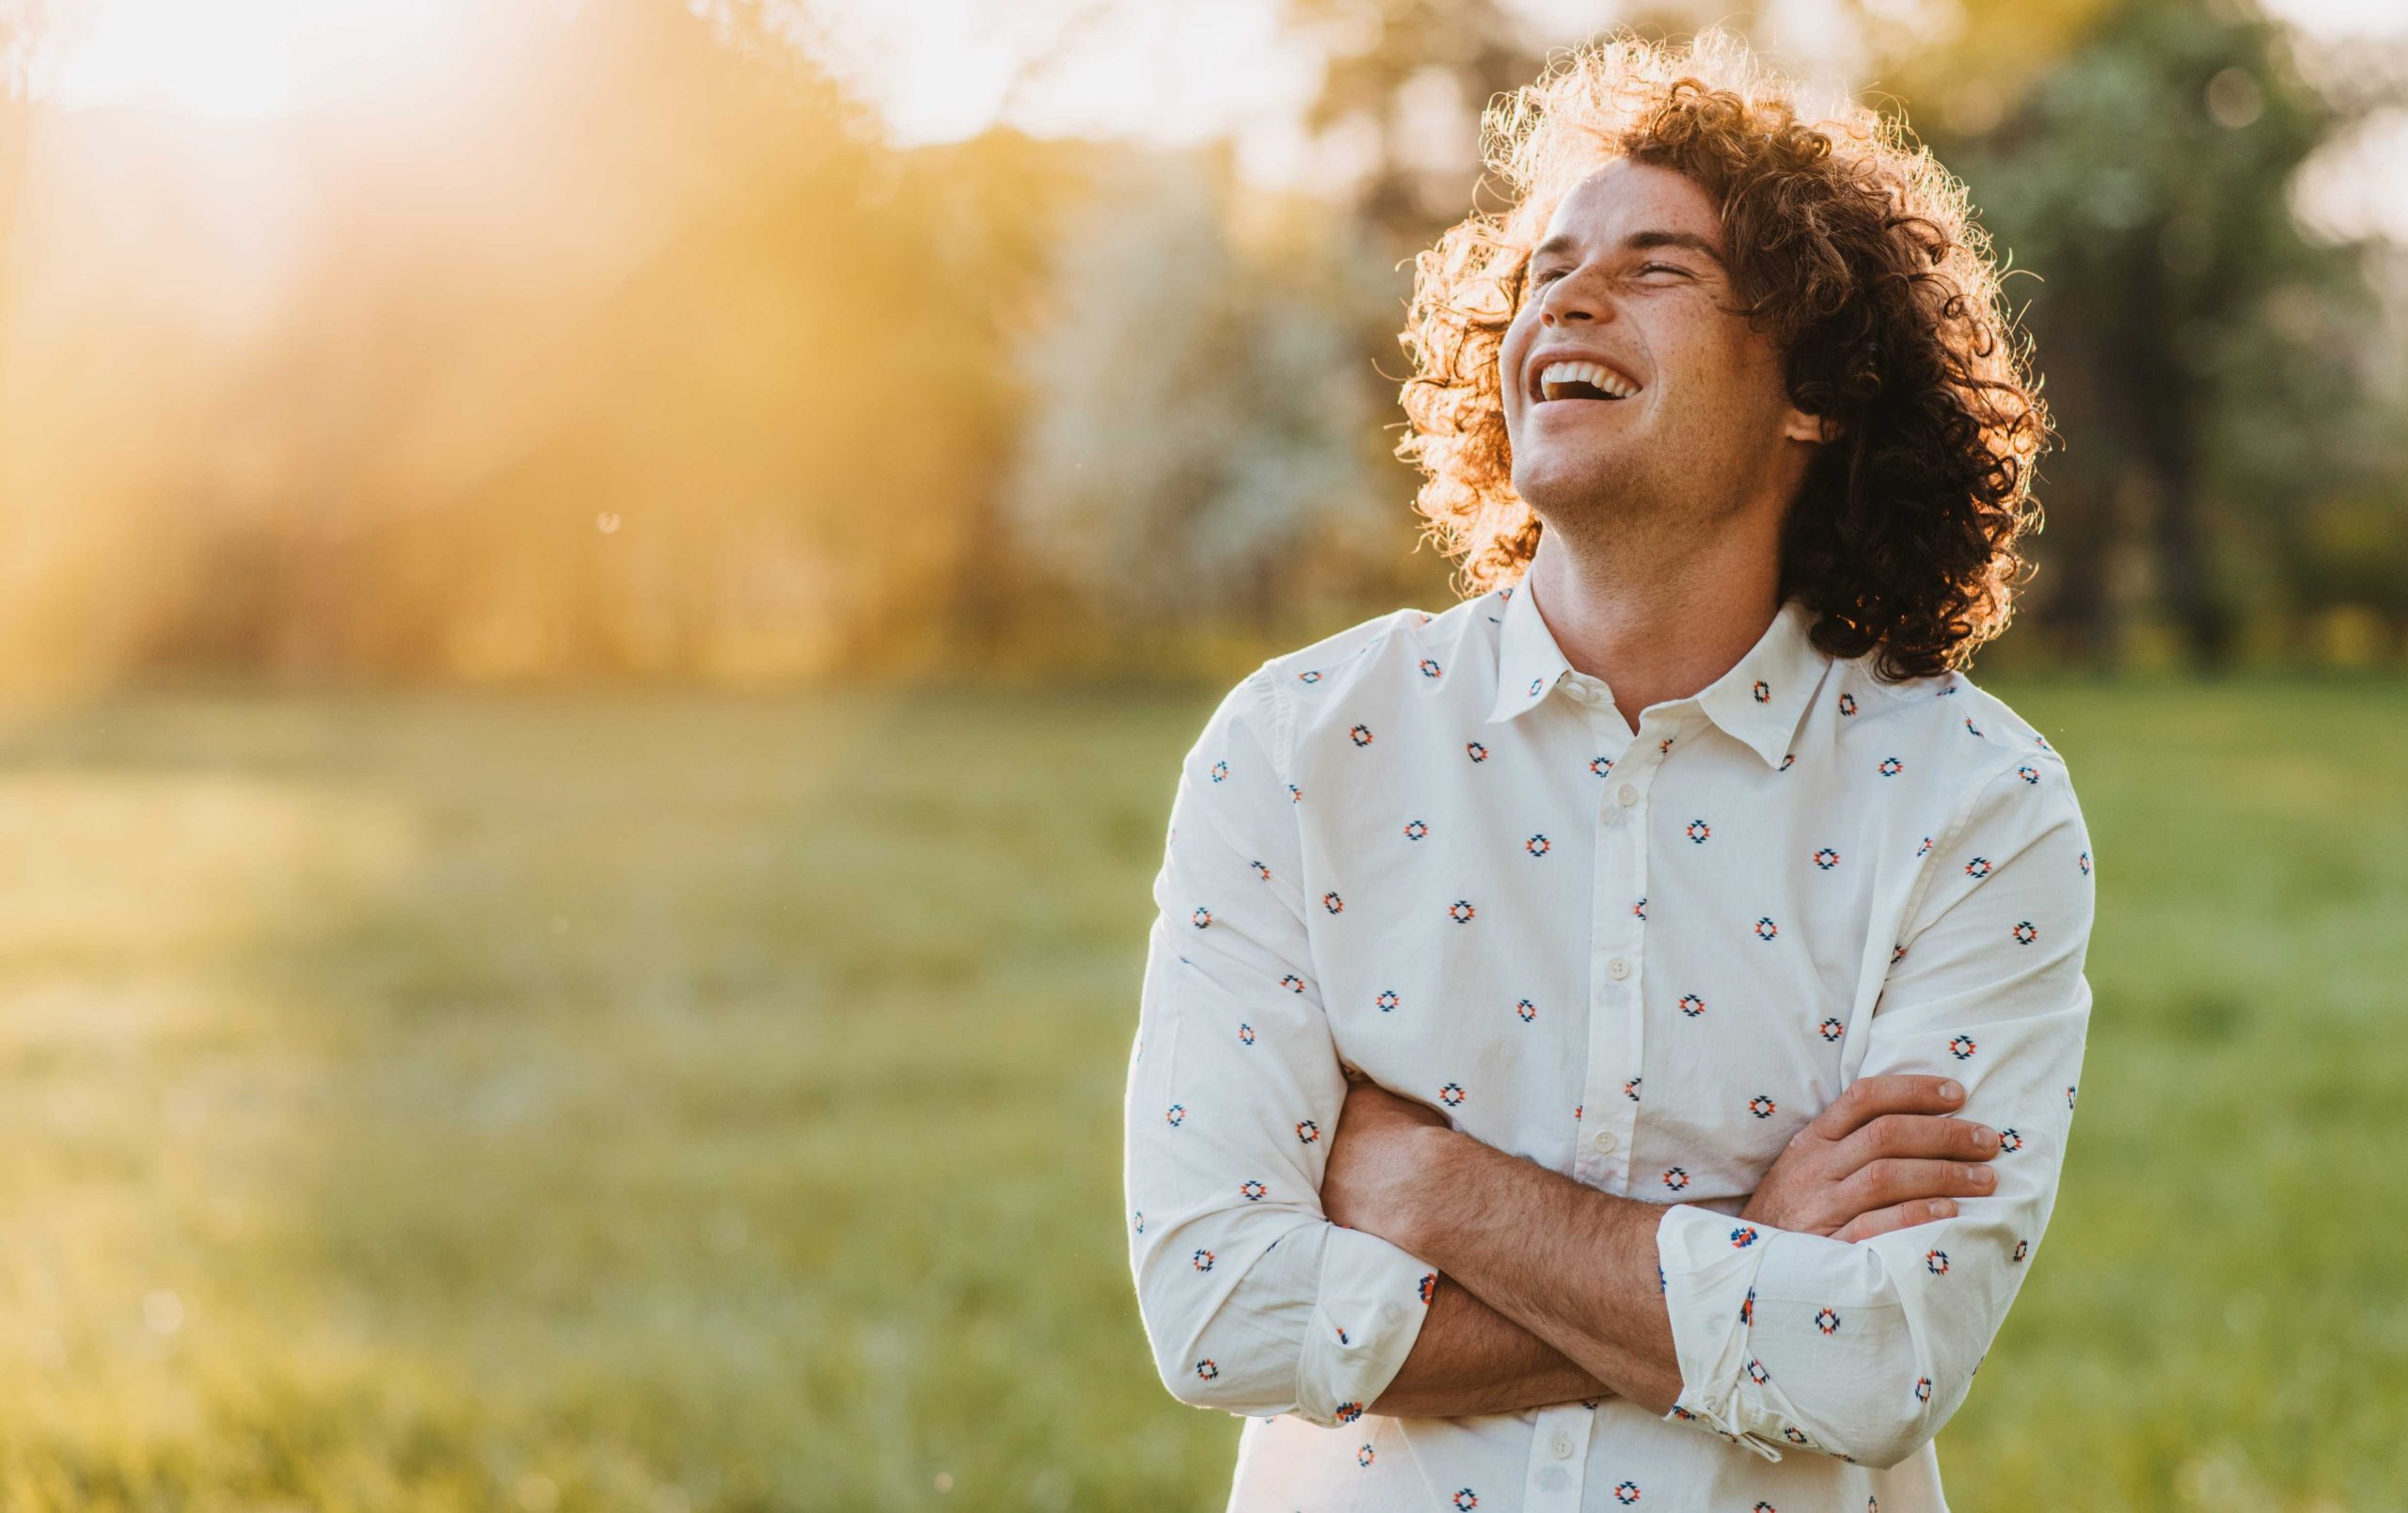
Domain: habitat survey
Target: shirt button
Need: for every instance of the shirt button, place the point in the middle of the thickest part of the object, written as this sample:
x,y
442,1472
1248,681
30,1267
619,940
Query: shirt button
x,y
1562,1446
1626,796
1617,969
1601,1141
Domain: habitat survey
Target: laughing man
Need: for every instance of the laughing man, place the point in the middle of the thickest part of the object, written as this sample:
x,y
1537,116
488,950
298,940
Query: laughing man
x,y
1612,1043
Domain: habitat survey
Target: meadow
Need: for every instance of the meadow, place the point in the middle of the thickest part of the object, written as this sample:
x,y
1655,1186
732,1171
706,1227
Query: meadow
x,y
685,1102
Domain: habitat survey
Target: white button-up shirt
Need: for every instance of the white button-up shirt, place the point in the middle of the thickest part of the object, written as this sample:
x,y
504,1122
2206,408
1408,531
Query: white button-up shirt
x,y
1428,852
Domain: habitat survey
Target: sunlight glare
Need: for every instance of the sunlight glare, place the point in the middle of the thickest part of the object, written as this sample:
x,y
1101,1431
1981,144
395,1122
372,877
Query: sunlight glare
x,y
229,59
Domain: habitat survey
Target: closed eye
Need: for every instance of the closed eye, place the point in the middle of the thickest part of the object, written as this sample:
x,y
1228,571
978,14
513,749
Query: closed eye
x,y
1549,275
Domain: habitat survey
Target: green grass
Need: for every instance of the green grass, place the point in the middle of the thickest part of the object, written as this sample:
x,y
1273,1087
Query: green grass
x,y
690,1103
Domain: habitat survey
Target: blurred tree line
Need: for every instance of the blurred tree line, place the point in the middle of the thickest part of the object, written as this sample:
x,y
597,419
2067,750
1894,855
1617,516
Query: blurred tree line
x,y
633,351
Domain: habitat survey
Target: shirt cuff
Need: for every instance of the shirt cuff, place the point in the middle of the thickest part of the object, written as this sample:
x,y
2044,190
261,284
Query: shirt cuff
x,y
1374,1298
1709,1262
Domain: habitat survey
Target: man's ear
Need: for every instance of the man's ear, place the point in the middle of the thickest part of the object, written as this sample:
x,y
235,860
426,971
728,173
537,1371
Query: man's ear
x,y
1801,426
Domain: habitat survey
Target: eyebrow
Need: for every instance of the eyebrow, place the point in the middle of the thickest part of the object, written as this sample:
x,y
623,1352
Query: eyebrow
x,y
1561,243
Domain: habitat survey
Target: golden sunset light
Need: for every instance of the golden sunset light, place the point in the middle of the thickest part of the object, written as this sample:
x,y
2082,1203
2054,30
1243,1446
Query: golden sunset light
x,y
1058,755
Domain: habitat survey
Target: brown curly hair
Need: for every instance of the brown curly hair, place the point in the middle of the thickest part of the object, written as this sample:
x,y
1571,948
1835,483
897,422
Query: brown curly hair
x,y
1854,250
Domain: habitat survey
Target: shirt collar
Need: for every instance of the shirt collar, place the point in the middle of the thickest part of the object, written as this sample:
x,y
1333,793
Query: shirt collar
x,y
1759,700
1527,662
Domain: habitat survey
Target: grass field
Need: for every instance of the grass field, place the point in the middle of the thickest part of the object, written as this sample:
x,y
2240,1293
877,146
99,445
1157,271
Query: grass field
x,y
693,1103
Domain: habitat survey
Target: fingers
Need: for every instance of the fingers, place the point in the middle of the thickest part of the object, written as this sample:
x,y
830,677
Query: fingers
x,y
1896,1216
1884,1183
1868,1098
1917,1135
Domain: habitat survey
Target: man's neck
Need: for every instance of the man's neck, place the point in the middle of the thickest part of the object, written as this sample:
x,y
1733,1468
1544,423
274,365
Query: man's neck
x,y
1662,632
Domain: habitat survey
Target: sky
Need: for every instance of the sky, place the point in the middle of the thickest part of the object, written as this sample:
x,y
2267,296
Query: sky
x,y
941,70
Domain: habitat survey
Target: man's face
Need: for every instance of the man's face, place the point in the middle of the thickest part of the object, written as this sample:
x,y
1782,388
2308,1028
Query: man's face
x,y
1629,276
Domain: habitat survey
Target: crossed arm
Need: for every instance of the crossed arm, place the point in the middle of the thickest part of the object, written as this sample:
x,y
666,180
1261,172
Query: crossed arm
x,y
1547,1289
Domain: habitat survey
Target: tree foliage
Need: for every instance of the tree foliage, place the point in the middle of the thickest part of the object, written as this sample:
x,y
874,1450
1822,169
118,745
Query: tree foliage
x,y
2214,366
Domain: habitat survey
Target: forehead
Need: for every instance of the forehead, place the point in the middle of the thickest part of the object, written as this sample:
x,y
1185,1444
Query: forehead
x,y
1624,195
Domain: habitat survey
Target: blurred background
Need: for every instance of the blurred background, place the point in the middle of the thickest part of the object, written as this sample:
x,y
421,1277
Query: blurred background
x,y
599,600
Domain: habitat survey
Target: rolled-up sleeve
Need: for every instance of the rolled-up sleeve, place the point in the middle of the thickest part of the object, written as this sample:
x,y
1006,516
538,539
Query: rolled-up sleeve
x,y
1864,1349
1253,1301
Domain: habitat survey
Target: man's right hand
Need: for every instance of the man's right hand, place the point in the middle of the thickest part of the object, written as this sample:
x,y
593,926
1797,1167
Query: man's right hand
x,y
1885,1155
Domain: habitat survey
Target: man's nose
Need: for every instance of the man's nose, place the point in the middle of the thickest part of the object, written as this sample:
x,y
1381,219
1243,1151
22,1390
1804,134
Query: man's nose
x,y
1573,309
1580,295
1563,303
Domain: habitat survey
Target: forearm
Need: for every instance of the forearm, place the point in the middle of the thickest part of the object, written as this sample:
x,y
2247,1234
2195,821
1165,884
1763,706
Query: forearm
x,y
1573,1266
1469,1358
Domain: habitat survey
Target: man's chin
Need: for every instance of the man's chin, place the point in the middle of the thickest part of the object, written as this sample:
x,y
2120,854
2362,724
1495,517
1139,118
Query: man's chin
x,y
1547,483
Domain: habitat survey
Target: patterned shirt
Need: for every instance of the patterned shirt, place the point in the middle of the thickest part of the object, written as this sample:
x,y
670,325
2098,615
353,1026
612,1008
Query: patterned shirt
x,y
1428,852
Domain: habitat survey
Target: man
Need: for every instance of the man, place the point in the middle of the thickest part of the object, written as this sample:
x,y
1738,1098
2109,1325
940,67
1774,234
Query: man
x,y
1614,1042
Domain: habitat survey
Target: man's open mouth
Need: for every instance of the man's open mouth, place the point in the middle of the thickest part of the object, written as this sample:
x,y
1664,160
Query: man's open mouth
x,y
1580,380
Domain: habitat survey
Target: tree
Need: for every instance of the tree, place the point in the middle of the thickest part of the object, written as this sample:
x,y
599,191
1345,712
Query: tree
x,y
1194,451
2206,360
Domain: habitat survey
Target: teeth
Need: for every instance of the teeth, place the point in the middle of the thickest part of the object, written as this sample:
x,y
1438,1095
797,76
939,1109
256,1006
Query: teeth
x,y
1586,372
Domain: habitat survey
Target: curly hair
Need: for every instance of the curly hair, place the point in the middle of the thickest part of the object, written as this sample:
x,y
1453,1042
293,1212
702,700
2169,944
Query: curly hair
x,y
1853,251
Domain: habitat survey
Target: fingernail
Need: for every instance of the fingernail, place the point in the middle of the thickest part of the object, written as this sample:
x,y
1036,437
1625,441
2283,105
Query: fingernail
x,y
1983,1176
1941,1208
1987,1138
1951,1091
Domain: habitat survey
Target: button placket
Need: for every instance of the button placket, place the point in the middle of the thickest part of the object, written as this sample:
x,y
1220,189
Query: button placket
x,y
1617,882
1558,1460
1621,938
